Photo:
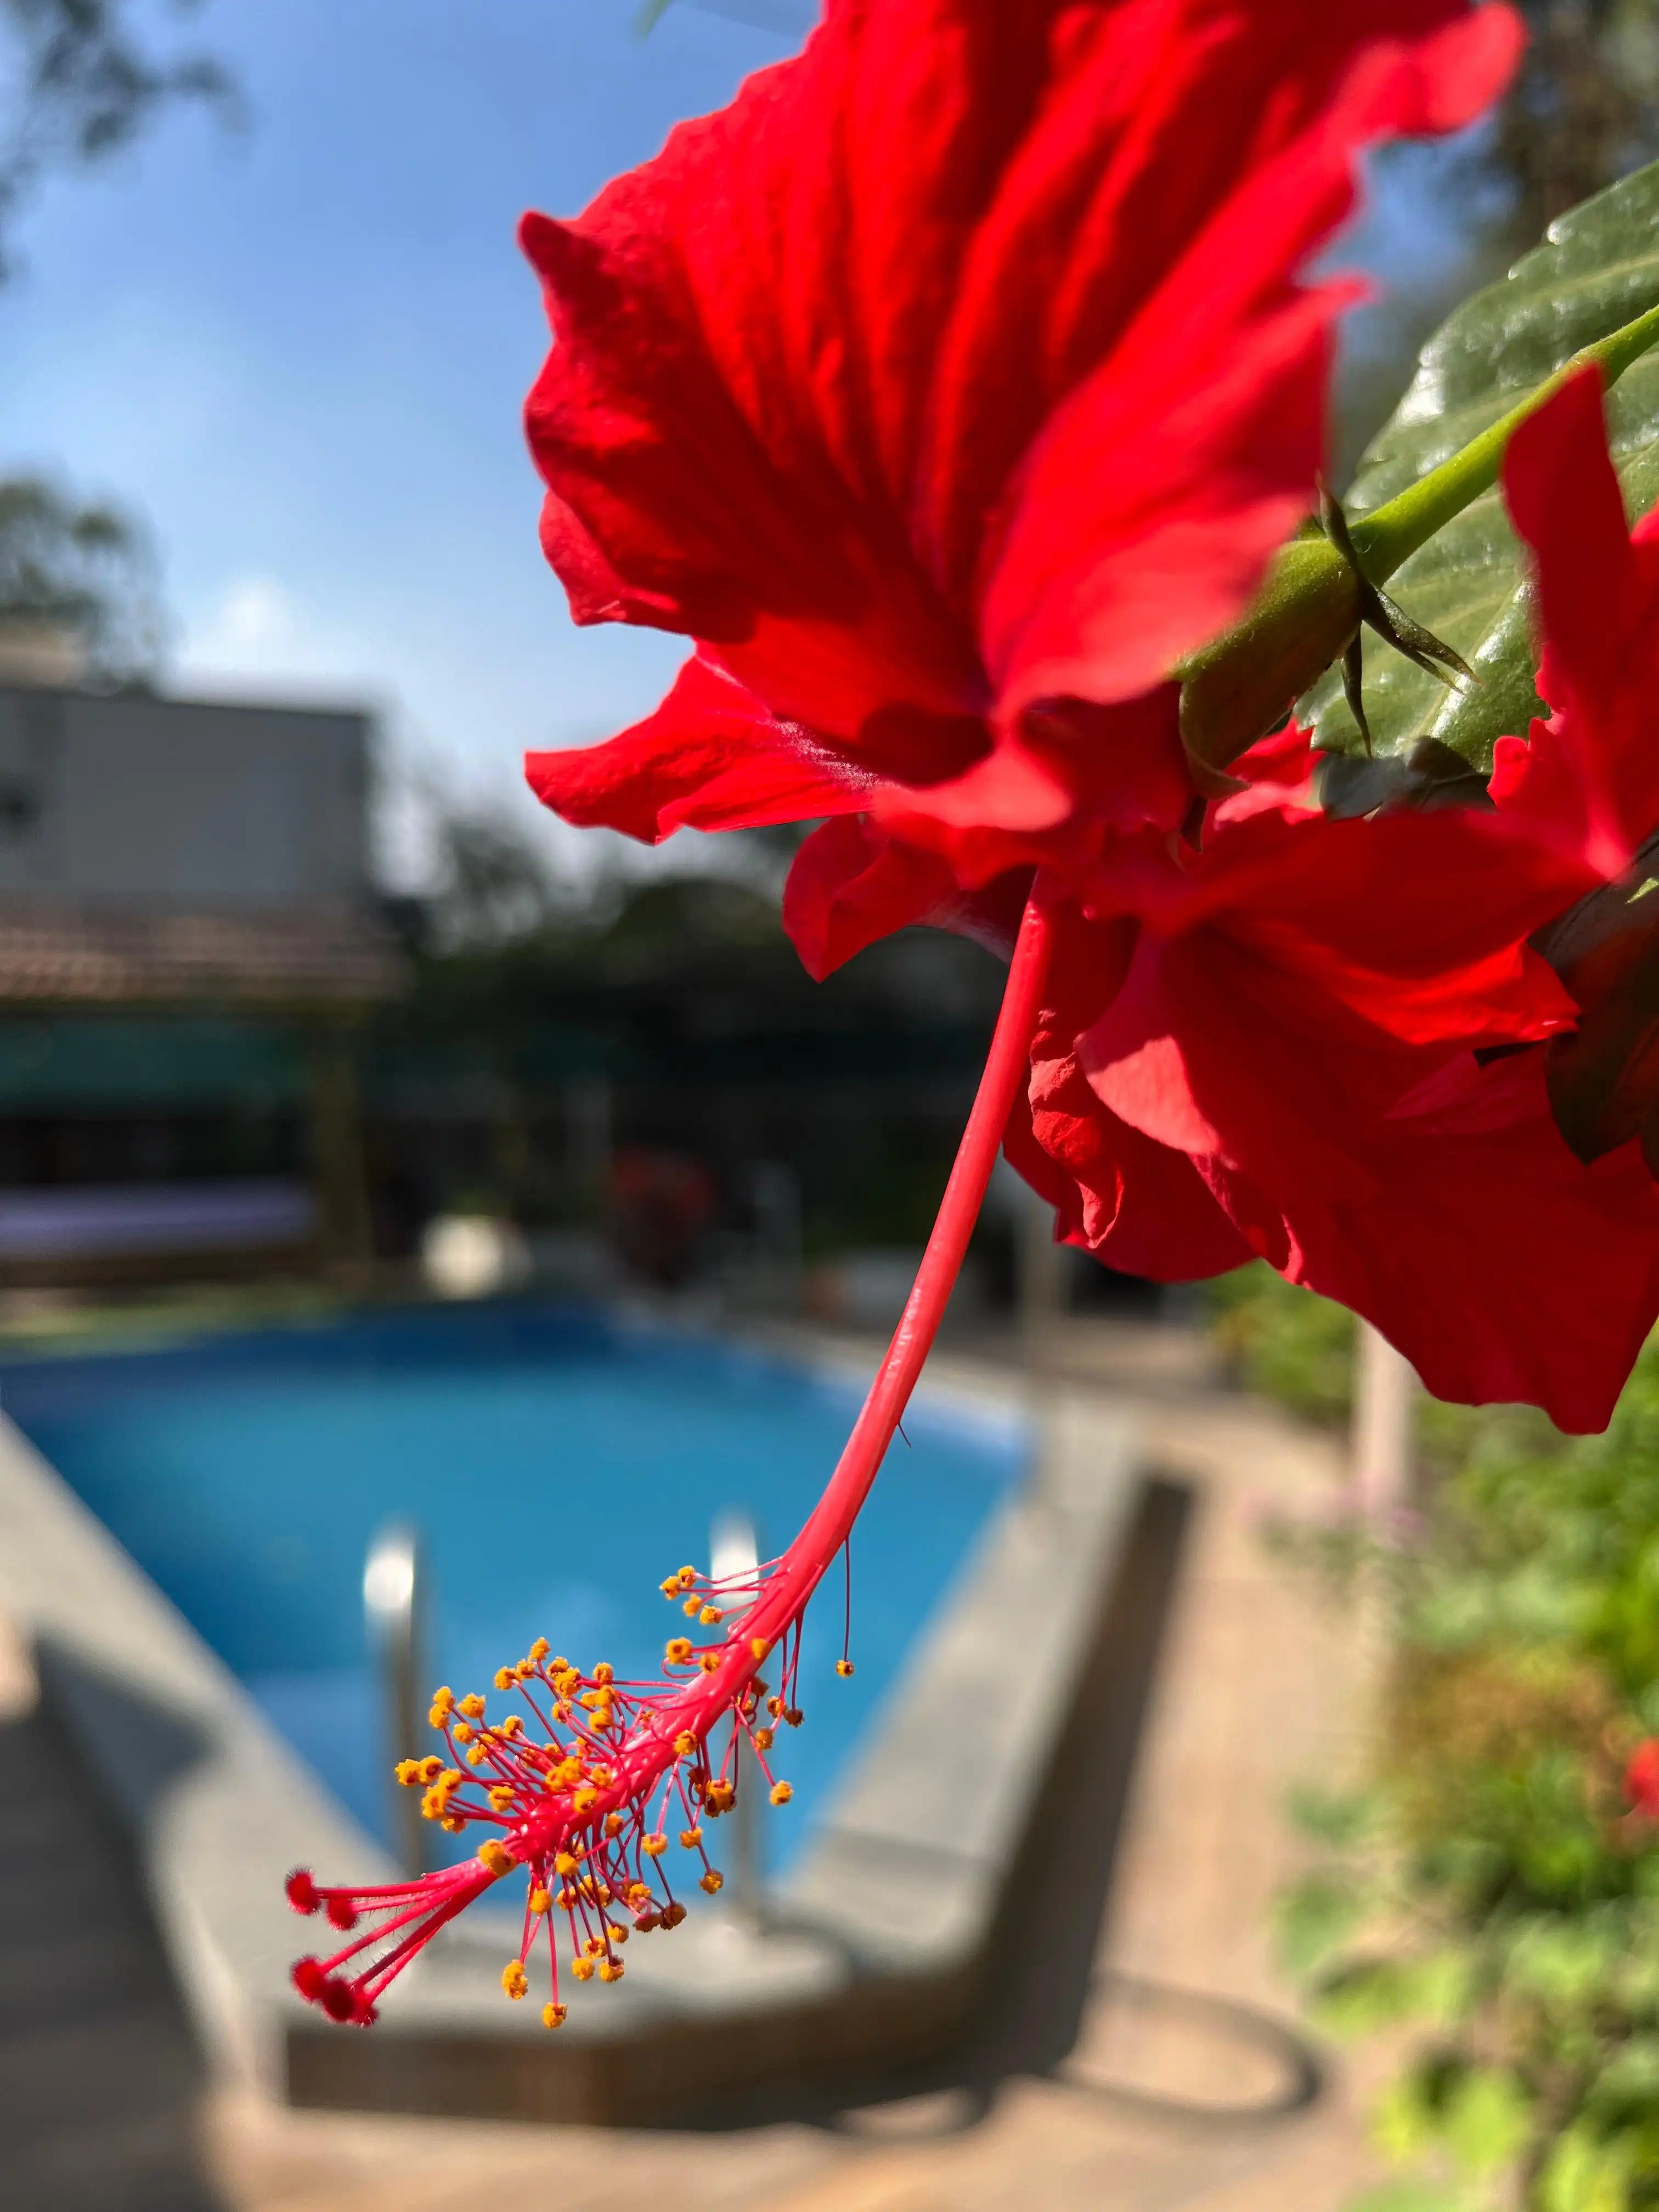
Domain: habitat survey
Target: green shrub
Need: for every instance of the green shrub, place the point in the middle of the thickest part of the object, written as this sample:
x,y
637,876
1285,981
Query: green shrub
x,y
1492,1895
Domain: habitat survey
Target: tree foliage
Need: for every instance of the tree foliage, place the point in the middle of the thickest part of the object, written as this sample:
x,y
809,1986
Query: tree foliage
x,y
81,570
78,83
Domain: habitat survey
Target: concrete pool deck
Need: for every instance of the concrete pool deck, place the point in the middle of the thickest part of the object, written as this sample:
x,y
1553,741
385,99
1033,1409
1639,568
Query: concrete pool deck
x,y
1257,1688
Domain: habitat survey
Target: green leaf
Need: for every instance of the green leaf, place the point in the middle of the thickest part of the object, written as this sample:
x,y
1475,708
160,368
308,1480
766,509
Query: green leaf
x,y
1583,2174
1409,2194
1487,2120
1597,269
1313,1917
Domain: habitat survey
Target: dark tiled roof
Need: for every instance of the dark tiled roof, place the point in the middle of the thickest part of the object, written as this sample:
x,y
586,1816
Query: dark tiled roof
x,y
56,953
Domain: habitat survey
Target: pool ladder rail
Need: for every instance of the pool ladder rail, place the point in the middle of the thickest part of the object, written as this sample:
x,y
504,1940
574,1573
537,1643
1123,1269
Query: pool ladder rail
x,y
395,1616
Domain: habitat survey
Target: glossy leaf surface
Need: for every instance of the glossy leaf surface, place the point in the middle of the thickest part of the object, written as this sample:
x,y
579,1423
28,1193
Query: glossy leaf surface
x,y
1597,269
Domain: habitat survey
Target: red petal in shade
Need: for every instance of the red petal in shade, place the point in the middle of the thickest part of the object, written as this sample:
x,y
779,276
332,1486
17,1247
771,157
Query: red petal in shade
x,y
1501,1266
711,757
1137,1206
968,352
851,883
1598,604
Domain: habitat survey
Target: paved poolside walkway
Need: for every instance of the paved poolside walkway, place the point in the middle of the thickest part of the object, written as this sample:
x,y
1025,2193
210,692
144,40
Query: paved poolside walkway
x,y
1260,1686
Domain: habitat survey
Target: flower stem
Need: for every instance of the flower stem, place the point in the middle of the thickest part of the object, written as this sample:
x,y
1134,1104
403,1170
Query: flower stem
x,y
1005,1069
1391,533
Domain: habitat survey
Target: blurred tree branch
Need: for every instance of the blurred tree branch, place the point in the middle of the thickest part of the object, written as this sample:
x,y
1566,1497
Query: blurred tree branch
x,y
1584,109
83,575
76,85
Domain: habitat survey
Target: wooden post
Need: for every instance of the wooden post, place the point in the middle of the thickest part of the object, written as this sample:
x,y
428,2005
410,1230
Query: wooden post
x,y
336,1137
1384,1410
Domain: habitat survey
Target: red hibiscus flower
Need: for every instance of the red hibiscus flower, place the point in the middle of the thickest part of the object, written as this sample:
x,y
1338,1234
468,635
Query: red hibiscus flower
x,y
948,387
1281,1045
1642,1778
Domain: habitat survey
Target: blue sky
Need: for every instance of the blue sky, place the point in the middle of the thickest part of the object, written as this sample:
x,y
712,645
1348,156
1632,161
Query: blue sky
x,y
302,353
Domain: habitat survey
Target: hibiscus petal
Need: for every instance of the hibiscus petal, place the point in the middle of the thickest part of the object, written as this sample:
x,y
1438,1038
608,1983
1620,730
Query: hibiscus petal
x,y
1156,493
711,757
1589,779
851,883
966,273
1502,1267
1137,1205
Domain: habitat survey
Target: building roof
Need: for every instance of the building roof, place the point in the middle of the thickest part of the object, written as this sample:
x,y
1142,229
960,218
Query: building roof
x,y
58,953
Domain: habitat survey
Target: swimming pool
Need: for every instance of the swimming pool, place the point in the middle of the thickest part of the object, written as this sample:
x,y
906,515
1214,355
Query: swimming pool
x,y
557,1462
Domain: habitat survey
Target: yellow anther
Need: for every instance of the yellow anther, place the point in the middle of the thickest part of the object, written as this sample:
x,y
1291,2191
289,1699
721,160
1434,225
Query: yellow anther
x,y
794,1716
691,1838
513,1980
759,1646
501,1796
450,1778
843,1667
505,1678
721,1795
554,2015
523,1671
582,1969
713,1880
639,1892
431,1767
496,1858
677,1652
476,1756
613,1824
589,1888
565,1863
433,1804
781,1793
685,1744
686,1577
540,1901
442,1700
567,1773
775,1706
619,1934
595,1946
512,1726
461,1732
451,1825
654,1846
604,1673
670,1586
538,1650
601,1776
408,1771
673,1914
610,1970
692,1607
473,1707
763,1738
565,1900
584,1799
709,1660
711,1616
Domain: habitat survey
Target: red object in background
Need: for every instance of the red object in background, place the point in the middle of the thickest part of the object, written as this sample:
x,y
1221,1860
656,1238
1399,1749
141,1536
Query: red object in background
x,y
658,1202
946,388
1642,1778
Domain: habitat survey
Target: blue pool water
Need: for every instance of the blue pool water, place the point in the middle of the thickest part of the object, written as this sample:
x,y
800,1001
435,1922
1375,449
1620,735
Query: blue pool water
x,y
558,1465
